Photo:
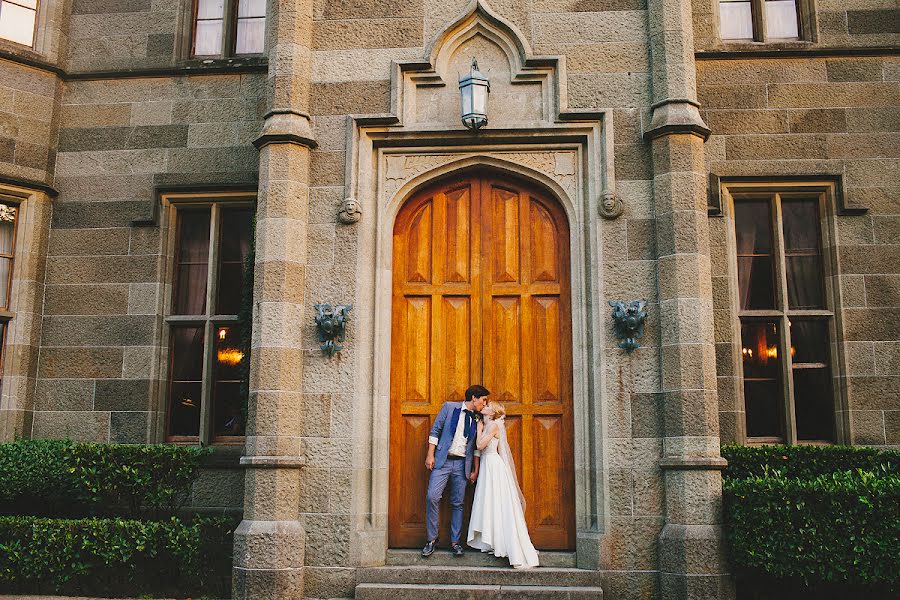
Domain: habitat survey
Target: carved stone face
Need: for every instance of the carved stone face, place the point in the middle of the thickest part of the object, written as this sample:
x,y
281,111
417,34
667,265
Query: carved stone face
x,y
609,202
351,206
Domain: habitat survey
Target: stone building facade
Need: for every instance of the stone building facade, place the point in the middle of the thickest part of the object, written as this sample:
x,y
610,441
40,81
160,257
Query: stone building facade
x,y
659,140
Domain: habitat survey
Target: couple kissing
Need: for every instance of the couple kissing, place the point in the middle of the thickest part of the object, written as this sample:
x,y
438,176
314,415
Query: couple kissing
x,y
467,443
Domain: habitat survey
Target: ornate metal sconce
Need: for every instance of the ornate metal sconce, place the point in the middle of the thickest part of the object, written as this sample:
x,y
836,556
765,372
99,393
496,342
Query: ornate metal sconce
x,y
331,322
473,95
628,322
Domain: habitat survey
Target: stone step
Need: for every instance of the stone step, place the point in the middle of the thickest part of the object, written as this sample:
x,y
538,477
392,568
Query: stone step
x,y
490,576
472,558
406,591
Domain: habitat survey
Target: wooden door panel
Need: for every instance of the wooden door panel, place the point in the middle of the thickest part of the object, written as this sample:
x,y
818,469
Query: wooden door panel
x,y
481,295
457,260
455,341
409,501
416,344
419,246
503,366
504,209
544,244
546,358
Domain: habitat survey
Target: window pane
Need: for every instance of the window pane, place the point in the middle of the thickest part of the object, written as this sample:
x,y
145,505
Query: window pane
x,y
252,8
813,404
229,404
736,21
781,19
5,268
754,249
763,395
17,23
186,381
7,229
802,254
210,9
251,36
234,246
193,259
809,340
208,40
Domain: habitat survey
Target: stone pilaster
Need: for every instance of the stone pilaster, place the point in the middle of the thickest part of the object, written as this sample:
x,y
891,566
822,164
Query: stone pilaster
x,y
692,563
269,543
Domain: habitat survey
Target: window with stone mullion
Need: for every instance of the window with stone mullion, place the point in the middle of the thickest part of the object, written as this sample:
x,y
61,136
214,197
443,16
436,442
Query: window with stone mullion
x,y
224,28
760,20
17,21
9,212
785,319
206,395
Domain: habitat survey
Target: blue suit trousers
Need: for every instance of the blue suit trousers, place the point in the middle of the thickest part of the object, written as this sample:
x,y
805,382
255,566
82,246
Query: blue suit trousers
x,y
454,472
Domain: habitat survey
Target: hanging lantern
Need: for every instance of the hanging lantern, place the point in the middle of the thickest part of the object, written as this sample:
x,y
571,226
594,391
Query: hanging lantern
x,y
473,94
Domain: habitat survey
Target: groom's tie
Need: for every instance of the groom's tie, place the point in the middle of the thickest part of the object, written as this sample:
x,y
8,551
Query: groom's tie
x,y
470,423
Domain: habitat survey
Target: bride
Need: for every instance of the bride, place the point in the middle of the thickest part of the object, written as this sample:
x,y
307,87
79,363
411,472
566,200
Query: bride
x,y
497,524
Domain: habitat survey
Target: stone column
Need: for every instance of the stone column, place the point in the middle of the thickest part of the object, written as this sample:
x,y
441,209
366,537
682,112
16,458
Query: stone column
x,y
269,543
691,558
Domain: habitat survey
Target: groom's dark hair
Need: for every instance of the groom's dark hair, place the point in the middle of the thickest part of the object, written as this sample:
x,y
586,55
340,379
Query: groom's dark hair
x,y
476,391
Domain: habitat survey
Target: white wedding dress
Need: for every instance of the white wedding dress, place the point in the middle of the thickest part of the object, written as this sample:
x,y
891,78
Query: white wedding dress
x,y
497,524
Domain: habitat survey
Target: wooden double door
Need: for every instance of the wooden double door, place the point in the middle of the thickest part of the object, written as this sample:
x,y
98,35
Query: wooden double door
x,y
481,294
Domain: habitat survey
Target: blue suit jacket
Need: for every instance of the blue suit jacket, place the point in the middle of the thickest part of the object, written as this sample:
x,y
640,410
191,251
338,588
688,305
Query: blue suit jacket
x,y
443,430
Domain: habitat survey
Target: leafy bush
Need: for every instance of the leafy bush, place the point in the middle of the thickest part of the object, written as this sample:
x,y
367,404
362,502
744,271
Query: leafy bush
x,y
806,462
63,478
809,522
116,556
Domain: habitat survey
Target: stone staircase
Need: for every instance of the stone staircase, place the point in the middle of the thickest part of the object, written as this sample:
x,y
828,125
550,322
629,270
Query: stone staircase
x,y
475,576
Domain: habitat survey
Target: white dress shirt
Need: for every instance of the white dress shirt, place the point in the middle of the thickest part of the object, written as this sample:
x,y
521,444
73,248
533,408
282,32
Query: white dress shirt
x,y
458,446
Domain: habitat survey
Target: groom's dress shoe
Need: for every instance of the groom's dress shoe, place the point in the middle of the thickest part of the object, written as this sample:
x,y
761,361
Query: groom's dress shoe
x,y
457,549
428,550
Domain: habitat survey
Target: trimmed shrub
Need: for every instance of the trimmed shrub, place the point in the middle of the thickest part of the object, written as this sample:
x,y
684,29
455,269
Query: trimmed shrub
x,y
806,462
841,529
63,478
116,557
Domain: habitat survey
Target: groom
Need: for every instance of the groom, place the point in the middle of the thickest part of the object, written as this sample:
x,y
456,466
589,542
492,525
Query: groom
x,y
456,460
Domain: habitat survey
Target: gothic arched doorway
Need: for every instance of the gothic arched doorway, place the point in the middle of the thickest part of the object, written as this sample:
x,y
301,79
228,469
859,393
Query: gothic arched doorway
x,y
481,294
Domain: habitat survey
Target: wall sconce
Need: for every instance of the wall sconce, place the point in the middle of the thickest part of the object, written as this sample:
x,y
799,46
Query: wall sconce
x,y
628,322
331,323
473,95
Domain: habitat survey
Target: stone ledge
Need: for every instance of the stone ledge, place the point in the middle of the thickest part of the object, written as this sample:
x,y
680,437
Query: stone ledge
x,y
690,463
273,462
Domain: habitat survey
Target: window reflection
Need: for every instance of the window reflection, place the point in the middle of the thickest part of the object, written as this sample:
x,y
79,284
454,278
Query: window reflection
x,y
17,18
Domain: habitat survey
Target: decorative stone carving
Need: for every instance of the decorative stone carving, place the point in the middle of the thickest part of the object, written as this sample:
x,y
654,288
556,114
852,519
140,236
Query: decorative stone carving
x,y
351,211
628,322
331,323
7,213
611,206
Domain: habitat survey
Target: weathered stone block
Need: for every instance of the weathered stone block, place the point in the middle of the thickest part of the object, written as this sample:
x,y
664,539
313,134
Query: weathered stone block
x,y
64,395
873,21
128,427
868,427
368,33
819,120
91,362
78,426
358,97
86,299
107,330
122,395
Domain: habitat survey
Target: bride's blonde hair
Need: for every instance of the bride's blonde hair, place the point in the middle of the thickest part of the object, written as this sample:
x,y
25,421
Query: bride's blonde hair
x,y
499,411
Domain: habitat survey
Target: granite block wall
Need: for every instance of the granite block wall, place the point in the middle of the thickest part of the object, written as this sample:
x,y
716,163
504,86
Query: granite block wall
x,y
817,116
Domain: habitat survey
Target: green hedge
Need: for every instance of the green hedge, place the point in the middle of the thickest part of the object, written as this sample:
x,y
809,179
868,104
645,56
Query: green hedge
x,y
66,479
812,522
806,462
116,557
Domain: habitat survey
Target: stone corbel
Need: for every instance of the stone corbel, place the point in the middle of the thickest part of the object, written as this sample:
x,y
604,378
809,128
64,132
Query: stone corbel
x,y
286,126
611,206
351,211
674,116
